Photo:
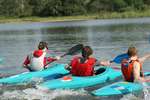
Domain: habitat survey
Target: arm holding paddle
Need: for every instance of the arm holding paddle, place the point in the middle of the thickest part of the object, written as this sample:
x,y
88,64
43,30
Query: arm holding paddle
x,y
117,60
131,65
75,49
120,57
145,57
38,61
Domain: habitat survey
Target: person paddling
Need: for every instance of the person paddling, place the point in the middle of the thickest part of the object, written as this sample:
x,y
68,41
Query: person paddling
x,y
37,60
131,67
83,65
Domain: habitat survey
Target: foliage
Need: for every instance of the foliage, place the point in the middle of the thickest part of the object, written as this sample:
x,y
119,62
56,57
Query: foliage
x,y
24,8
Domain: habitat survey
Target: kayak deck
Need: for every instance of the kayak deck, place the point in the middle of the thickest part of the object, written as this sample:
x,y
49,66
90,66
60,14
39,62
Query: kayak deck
x,y
80,82
27,77
119,88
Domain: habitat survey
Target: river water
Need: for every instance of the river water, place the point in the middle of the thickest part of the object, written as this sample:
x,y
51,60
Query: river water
x,y
108,38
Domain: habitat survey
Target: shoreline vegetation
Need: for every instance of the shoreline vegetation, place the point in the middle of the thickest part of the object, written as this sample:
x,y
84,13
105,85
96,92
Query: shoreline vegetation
x,y
70,10
102,15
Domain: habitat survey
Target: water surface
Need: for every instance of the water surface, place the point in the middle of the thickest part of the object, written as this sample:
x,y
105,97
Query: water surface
x,y
108,38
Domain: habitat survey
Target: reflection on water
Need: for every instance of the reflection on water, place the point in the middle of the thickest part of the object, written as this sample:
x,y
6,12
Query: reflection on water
x,y
108,38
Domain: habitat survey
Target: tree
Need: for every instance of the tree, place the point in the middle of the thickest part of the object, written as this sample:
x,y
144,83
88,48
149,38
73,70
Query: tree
x,y
137,4
118,5
15,8
38,6
73,7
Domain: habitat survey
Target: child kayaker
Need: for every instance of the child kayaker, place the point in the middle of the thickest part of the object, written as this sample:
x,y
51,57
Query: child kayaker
x,y
132,67
83,65
37,60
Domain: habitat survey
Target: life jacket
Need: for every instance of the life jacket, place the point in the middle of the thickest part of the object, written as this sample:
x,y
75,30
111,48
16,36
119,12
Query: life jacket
x,y
37,60
82,69
127,70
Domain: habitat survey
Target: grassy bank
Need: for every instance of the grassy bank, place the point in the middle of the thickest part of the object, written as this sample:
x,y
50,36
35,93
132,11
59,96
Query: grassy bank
x,y
102,15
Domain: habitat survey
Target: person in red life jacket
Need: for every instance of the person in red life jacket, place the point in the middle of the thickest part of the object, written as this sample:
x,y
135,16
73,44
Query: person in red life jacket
x,y
132,67
83,65
37,60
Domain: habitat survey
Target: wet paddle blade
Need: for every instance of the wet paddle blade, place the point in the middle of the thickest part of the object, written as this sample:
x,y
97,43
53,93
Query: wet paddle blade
x,y
119,58
75,49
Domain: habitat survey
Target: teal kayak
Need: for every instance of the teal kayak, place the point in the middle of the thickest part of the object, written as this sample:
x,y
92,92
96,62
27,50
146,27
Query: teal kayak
x,y
53,71
119,88
105,74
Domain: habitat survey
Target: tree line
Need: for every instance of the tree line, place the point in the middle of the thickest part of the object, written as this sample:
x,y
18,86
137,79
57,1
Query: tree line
x,y
45,8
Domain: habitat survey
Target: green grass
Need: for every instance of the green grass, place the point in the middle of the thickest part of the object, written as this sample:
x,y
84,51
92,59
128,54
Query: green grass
x,y
101,15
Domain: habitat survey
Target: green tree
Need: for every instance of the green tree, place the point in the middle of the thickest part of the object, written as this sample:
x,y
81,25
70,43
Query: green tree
x,y
118,5
52,8
17,8
38,6
136,4
99,5
73,7
147,2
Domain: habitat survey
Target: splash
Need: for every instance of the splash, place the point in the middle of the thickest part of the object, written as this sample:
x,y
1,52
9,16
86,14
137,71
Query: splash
x,y
146,91
32,93
130,97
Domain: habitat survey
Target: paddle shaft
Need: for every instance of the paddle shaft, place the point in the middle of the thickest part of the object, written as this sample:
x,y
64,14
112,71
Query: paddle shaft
x,y
56,59
71,51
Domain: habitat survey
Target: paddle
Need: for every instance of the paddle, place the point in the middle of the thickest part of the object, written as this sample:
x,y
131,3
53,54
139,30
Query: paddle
x,y
119,58
75,49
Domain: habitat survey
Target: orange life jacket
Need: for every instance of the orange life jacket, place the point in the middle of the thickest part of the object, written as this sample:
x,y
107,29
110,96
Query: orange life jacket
x,y
82,69
127,70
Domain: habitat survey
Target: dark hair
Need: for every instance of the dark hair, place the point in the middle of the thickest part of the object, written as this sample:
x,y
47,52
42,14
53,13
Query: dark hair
x,y
86,52
132,51
42,45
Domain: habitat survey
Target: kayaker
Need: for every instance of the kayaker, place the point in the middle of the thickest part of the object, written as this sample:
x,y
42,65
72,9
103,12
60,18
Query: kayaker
x,y
83,65
37,60
132,67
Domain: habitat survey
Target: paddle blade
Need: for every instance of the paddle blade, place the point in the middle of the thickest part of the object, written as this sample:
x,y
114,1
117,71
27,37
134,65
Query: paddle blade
x,y
75,49
119,58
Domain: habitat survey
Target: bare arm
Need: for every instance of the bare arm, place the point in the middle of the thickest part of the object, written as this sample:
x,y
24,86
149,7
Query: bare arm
x,y
136,72
142,59
103,63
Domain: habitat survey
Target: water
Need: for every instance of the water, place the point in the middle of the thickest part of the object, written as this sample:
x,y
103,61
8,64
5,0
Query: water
x,y
108,38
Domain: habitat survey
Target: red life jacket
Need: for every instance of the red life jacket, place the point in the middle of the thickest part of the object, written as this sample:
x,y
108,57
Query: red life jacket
x,y
82,69
127,70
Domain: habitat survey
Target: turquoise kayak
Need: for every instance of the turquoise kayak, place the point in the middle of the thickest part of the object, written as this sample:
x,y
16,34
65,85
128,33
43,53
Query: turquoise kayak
x,y
119,88
105,74
53,71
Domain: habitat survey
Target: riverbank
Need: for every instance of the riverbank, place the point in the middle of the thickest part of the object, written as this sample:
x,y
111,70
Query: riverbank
x,y
102,15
